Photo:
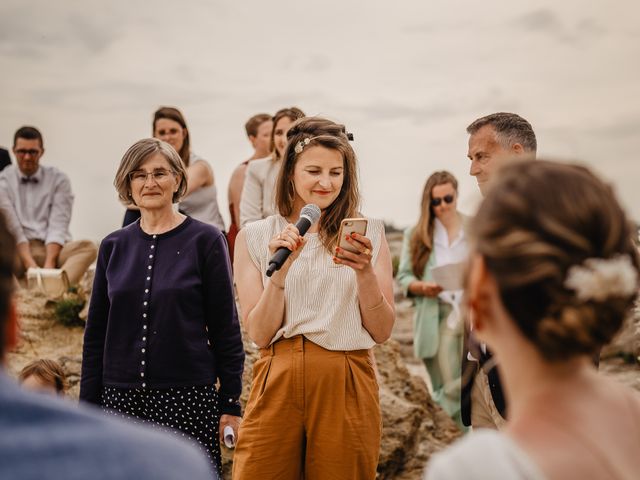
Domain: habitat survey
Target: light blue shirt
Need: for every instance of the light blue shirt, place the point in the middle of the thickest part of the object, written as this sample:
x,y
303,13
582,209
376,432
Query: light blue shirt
x,y
47,438
37,209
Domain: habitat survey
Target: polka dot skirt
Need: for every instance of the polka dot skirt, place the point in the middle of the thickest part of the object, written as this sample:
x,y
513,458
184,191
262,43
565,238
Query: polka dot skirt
x,y
191,412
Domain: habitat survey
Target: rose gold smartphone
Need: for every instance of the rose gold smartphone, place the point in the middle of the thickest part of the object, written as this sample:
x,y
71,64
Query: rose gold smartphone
x,y
349,226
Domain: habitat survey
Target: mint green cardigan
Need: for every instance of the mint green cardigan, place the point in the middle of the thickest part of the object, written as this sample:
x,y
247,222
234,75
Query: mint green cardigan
x,y
426,325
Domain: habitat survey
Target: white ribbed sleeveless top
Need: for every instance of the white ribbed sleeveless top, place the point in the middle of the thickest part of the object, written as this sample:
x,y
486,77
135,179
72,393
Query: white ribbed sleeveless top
x,y
321,300
203,203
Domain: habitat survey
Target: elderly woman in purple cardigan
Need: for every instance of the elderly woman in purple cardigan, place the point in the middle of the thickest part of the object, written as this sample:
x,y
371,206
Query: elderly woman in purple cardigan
x,y
163,330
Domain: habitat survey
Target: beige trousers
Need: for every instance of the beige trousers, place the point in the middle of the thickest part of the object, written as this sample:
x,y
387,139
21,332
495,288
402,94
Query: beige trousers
x,y
484,413
75,258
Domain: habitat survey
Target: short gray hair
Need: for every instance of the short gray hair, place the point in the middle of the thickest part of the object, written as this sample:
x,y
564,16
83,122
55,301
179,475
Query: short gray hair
x,y
136,155
510,129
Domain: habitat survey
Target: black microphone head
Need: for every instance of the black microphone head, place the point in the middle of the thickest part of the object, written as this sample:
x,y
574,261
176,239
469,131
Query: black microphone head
x,y
311,212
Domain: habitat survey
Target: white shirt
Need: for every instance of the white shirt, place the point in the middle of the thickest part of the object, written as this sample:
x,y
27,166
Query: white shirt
x,y
259,190
445,252
321,298
484,454
37,207
203,203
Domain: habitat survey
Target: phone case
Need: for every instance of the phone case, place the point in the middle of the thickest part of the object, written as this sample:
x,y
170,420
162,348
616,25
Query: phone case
x,y
348,226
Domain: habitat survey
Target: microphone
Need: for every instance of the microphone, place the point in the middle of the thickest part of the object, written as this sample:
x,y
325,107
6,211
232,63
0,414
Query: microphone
x,y
309,215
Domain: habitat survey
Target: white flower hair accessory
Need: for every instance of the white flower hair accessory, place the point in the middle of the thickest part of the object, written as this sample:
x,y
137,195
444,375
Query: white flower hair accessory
x,y
301,144
600,278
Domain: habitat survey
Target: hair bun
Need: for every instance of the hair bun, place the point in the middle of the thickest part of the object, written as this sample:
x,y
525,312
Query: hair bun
x,y
579,329
560,248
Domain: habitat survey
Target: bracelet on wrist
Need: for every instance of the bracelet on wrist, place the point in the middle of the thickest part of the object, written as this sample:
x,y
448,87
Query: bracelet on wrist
x,y
378,305
280,287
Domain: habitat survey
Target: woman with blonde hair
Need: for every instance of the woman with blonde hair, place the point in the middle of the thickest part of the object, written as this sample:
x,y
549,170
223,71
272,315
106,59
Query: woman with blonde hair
x,y
437,239
313,410
553,275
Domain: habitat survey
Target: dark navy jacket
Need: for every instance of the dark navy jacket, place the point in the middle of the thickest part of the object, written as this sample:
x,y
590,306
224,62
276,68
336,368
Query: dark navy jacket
x,y
163,314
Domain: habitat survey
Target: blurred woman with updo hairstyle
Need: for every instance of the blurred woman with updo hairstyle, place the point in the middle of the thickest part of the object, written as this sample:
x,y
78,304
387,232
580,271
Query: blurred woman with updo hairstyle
x,y
259,189
200,200
437,239
553,275
313,411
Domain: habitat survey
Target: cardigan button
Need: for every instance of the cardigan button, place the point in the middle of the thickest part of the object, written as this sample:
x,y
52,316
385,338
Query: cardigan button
x,y
144,384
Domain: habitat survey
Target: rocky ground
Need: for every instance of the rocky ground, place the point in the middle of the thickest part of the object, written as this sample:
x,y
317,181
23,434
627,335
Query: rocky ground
x,y
413,426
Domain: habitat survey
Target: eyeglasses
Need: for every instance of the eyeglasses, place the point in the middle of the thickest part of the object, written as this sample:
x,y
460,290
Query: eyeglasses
x,y
23,153
158,176
436,201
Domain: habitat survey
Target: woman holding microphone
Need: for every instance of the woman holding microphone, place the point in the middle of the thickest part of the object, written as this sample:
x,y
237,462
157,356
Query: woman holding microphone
x,y
313,411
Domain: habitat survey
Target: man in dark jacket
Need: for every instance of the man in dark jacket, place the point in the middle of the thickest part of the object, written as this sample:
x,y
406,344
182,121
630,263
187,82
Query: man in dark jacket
x,y
494,139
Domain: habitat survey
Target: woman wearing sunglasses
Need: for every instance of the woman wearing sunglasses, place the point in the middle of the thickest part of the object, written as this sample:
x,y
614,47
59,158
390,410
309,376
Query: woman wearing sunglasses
x,y
437,239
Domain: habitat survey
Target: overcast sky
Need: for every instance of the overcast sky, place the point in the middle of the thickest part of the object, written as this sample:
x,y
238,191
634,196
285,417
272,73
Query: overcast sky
x,y
406,77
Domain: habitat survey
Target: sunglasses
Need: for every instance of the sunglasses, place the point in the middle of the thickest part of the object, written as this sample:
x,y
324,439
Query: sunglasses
x,y
436,201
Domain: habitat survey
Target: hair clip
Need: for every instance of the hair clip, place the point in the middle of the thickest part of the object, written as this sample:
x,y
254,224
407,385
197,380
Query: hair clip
x,y
349,136
601,278
301,144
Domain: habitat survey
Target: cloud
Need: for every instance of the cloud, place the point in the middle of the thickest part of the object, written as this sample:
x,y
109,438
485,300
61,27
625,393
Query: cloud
x,y
626,127
590,27
545,21
541,20
113,96
317,63
417,114
34,31
421,28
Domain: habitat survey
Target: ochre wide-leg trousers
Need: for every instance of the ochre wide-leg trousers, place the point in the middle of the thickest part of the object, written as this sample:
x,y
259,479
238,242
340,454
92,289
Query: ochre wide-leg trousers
x,y
312,414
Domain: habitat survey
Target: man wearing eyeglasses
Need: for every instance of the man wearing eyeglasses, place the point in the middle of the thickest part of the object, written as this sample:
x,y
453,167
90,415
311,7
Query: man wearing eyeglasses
x,y
37,201
494,139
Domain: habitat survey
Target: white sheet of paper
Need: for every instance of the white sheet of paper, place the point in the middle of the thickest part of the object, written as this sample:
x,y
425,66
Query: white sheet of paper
x,y
229,437
449,276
